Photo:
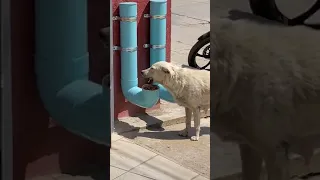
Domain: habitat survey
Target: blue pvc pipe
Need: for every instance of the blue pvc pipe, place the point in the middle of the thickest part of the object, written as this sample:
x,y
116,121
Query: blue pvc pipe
x,y
129,64
62,67
158,29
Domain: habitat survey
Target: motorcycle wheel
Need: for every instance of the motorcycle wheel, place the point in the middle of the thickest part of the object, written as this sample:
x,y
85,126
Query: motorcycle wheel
x,y
193,53
269,10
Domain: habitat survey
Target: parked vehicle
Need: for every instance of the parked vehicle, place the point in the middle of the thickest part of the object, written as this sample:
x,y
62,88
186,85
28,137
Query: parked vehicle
x,y
200,49
269,10
264,8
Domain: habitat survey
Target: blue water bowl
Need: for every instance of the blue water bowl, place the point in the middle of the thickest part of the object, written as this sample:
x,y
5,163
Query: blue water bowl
x,y
149,92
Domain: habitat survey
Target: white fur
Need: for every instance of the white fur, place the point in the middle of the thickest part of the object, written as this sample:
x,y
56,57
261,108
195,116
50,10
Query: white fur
x,y
267,93
189,87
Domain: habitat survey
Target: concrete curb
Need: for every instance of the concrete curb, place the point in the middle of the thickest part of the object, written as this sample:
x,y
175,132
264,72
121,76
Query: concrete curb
x,y
169,114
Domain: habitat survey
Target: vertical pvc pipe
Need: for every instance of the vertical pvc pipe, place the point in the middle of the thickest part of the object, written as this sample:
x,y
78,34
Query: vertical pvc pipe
x,y
129,56
158,29
62,67
158,24
128,40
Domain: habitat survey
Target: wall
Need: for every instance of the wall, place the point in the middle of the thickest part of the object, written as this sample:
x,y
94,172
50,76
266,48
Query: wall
x,y
40,147
124,108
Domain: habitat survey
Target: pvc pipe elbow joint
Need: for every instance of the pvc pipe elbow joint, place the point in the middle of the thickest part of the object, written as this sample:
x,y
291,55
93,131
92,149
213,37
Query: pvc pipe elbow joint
x,y
165,94
138,96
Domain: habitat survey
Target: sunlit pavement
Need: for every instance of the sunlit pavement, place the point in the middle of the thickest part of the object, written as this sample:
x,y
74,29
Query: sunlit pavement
x,y
129,161
190,19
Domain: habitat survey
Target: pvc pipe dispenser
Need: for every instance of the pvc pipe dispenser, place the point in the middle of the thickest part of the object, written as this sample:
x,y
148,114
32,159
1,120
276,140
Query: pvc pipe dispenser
x,y
158,29
62,67
129,64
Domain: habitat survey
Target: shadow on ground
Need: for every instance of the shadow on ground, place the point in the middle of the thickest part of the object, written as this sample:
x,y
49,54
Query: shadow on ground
x,y
236,14
91,172
164,135
151,123
155,130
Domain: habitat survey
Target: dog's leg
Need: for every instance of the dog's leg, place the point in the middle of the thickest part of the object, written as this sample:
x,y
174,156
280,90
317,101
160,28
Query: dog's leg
x,y
251,162
196,119
278,165
277,172
188,123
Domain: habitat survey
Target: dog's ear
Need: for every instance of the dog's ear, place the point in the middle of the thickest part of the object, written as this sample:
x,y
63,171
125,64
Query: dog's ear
x,y
166,70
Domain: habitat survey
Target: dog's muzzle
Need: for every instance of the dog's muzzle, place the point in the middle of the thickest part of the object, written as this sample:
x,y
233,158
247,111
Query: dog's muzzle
x,y
150,81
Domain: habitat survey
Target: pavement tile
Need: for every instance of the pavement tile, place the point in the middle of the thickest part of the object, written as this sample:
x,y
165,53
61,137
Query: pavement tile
x,y
181,48
167,142
179,34
74,178
194,11
126,139
131,176
179,59
182,20
178,3
161,168
200,178
57,175
42,178
115,137
116,172
126,155
226,158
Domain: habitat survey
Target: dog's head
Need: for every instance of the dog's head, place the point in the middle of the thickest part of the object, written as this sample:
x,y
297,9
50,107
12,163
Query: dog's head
x,y
158,72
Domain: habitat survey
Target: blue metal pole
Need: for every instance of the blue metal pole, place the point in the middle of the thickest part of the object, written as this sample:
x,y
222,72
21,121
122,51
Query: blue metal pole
x,y
62,67
158,24
129,64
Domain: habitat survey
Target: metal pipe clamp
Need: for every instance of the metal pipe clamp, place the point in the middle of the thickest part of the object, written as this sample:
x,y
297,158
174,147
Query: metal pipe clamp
x,y
124,19
130,49
155,16
154,46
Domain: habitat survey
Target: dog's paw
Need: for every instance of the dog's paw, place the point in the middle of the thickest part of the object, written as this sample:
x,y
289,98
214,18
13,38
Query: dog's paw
x,y
194,138
184,133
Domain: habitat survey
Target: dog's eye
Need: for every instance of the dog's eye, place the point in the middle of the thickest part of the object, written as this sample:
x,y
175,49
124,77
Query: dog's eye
x,y
151,68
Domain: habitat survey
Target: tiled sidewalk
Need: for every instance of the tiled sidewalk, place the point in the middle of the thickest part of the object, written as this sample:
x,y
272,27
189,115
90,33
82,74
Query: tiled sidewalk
x,y
129,161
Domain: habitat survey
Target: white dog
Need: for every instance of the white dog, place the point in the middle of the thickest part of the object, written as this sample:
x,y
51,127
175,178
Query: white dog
x,y
266,93
189,87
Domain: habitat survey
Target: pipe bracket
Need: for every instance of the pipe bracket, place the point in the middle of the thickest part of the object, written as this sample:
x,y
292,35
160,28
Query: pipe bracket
x,y
154,46
130,49
155,16
125,19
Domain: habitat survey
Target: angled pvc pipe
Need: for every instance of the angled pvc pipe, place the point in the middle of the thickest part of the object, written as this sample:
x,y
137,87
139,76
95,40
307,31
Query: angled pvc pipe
x,y
129,64
62,67
158,28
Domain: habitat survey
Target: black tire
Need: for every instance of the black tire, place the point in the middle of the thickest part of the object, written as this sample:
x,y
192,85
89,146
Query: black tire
x,y
268,9
194,50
